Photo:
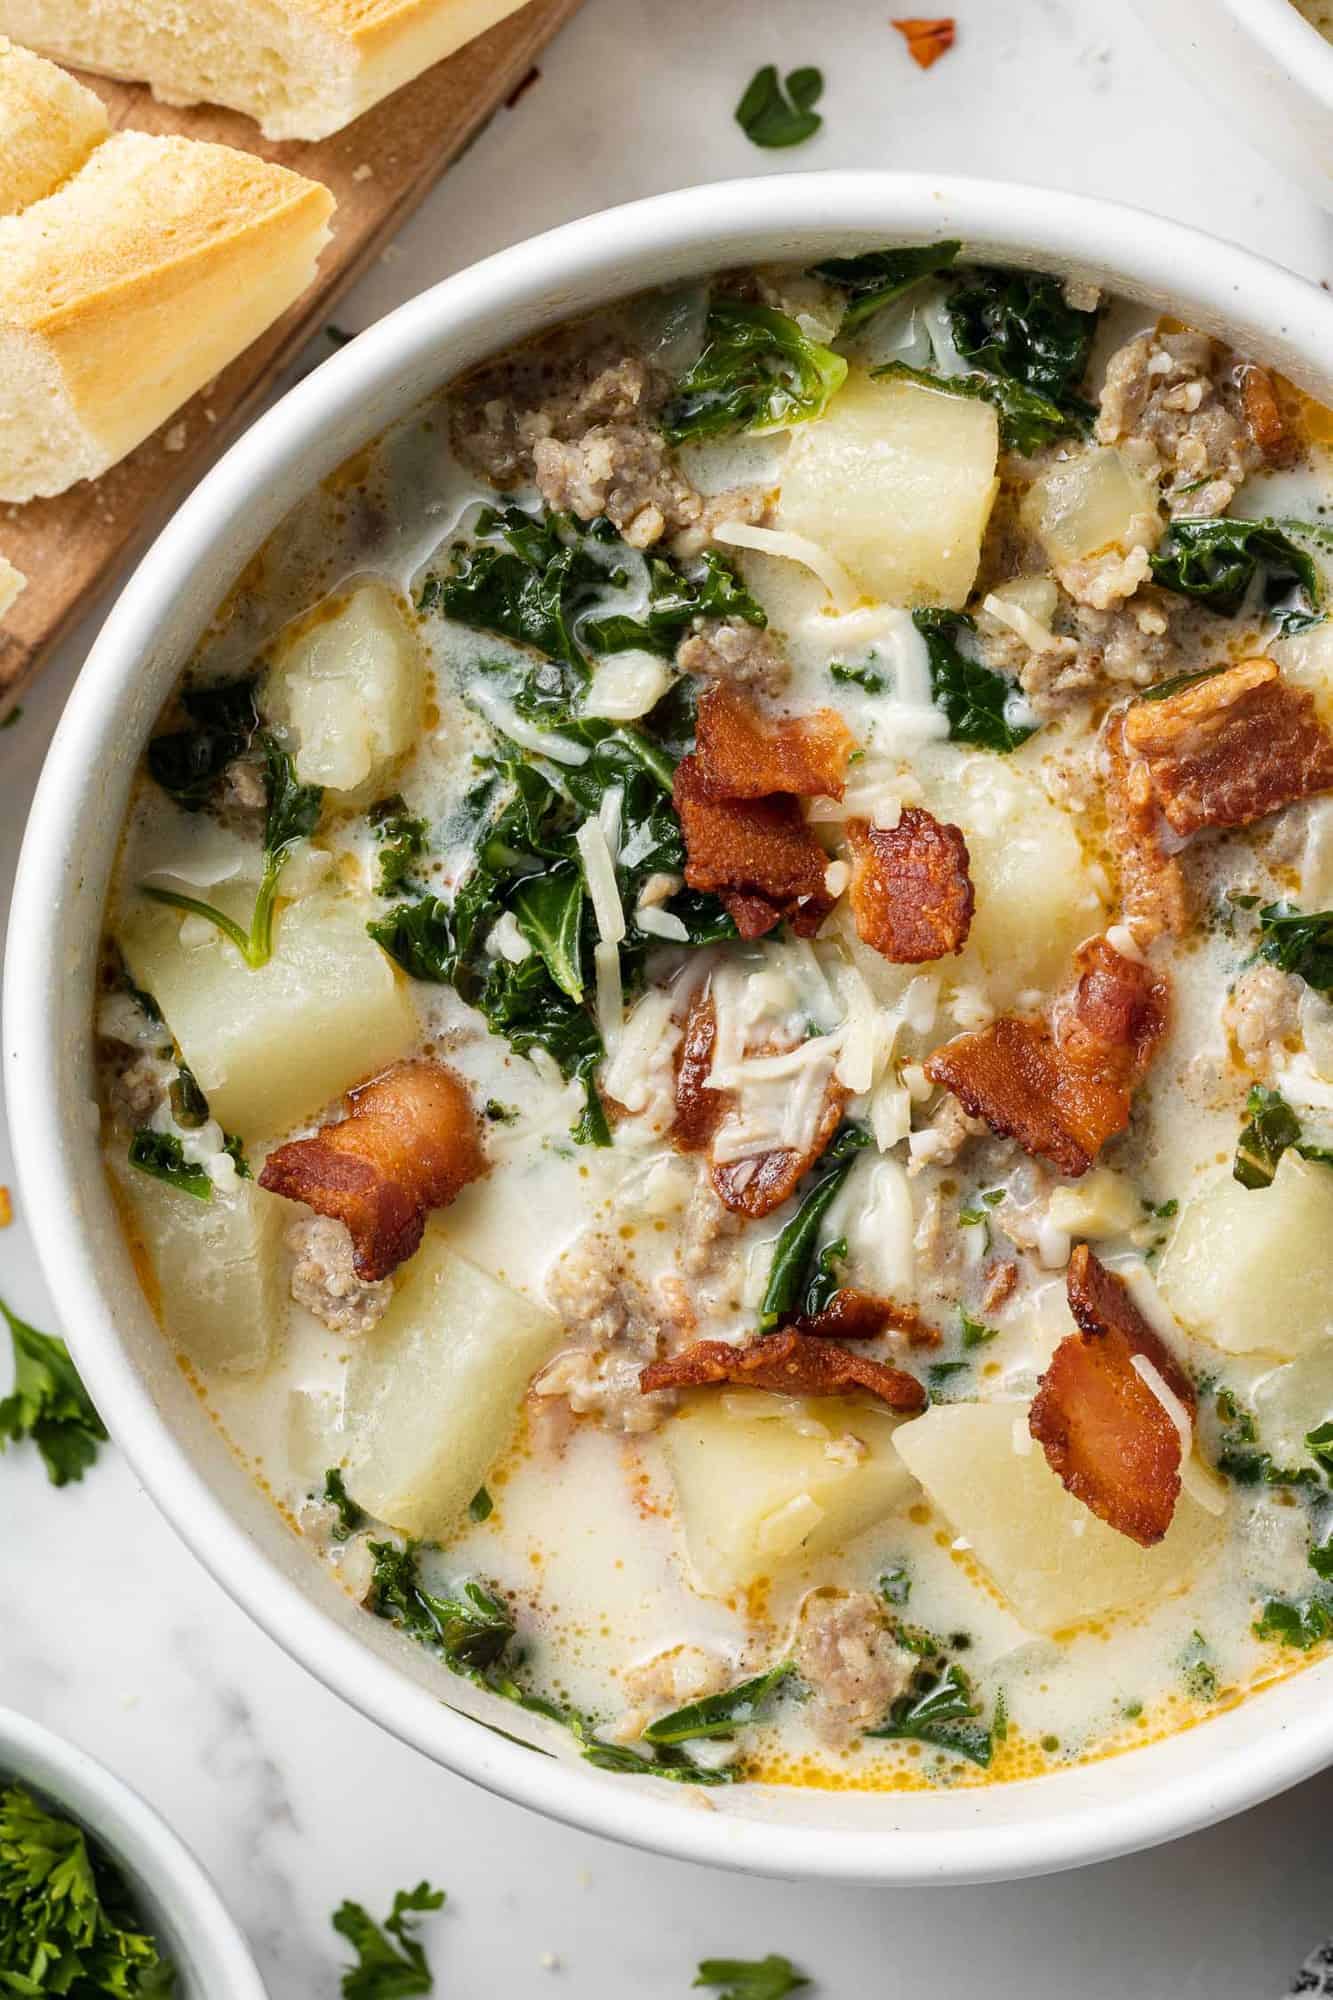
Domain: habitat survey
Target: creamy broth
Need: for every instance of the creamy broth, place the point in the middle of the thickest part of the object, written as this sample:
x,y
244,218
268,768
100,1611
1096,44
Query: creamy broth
x,y
958,525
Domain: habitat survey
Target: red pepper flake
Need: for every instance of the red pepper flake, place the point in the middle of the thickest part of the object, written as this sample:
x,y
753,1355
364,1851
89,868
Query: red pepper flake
x,y
927,40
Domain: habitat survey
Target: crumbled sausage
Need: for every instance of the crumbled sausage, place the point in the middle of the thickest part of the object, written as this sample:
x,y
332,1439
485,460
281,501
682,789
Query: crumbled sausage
x,y
138,1090
1174,400
619,1326
324,1278
624,471
847,1656
1262,1011
737,654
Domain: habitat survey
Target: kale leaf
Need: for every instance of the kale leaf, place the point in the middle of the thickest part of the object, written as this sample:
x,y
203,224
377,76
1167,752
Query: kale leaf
x,y
875,279
529,577
391,1962
66,1922
675,600
1019,324
771,1978
973,697
826,1279
719,1715
1217,562
350,1516
940,1708
1301,1622
1271,1127
419,936
1298,942
862,676
1028,420
402,840
162,1155
777,113
549,912
793,1253
293,814
188,762
49,1403
757,372
1239,1455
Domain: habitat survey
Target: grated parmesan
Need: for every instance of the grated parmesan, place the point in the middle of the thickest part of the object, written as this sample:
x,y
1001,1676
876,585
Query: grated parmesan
x,y
796,548
599,871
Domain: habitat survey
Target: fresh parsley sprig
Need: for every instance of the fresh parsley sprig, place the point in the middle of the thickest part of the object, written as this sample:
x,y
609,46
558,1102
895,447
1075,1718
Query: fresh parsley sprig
x,y
391,1960
771,1978
49,1403
776,111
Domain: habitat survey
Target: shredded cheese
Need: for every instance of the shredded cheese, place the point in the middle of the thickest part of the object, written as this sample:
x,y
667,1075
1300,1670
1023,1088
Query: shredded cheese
x,y
795,548
661,923
504,717
1193,1477
610,994
599,871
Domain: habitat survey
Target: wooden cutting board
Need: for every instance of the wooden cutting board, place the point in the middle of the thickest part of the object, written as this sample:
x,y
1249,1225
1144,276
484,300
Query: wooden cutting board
x,y
72,549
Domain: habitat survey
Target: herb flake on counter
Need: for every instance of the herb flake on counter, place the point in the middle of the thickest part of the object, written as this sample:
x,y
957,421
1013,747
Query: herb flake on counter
x,y
350,1516
776,111
771,1978
161,1155
975,699
879,278
49,1403
758,372
391,1961
719,1715
67,1925
1217,561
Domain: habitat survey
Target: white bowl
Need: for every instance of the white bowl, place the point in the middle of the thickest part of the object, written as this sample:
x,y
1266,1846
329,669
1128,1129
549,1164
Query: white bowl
x,y
1267,68
169,1889
1084,1814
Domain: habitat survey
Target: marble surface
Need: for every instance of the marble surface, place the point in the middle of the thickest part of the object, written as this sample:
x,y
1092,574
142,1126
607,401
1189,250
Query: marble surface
x,y
111,1633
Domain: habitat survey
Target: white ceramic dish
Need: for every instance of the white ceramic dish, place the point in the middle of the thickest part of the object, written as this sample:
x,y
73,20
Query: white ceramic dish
x,y
178,1903
1267,68
1081,1815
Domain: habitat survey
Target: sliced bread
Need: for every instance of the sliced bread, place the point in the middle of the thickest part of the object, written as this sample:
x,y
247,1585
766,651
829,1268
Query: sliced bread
x,y
49,124
302,68
130,287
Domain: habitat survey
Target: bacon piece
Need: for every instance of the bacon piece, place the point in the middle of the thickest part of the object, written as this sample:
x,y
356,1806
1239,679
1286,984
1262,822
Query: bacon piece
x,y
699,1108
1106,1435
757,854
761,1182
791,1364
409,1142
1153,894
855,1315
1231,748
740,755
1262,413
1063,1090
927,40
911,892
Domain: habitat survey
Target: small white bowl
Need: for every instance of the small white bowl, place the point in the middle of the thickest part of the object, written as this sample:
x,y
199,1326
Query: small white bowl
x,y
1268,69
169,1890
1086,1813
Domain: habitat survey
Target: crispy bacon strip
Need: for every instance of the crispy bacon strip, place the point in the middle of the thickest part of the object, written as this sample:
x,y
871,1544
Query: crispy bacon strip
x,y
789,1363
1262,412
699,1108
1153,894
911,892
409,1142
1231,748
1063,1090
741,755
1106,1435
927,40
761,1182
758,855
855,1315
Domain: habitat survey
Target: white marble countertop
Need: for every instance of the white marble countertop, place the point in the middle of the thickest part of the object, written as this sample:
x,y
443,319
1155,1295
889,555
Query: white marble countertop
x,y
112,1634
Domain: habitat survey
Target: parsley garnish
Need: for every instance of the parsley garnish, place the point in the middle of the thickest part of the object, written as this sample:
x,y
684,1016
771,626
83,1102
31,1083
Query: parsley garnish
x,y
778,112
49,1403
391,1963
771,1978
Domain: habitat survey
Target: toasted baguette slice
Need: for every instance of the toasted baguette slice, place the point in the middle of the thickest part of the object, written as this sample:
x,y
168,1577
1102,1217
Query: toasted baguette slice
x,y
302,68
49,124
12,581
129,288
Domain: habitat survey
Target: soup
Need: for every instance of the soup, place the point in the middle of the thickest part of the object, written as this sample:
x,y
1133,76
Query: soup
x,y
715,1038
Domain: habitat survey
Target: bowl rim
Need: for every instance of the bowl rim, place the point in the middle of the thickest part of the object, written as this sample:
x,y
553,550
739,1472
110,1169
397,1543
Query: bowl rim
x,y
623,250
141,1843
1281,28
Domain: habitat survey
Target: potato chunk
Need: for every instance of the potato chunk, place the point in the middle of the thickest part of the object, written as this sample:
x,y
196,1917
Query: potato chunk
x,y
345,690
1091,501
759,1487
217,1265
1054,1561
899,481
1251,1269
433,1393
272,1047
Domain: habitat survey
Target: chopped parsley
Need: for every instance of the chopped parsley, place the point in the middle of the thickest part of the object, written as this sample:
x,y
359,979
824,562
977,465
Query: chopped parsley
x,y
771,1978
391,1962
481,1506
48,1403
776,111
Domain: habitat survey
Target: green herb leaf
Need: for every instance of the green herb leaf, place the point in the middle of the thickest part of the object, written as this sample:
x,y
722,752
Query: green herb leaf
x,y
975,1332
1271,1126
1300,1622
675,600
549,911
863,677
973,698
795,1247
402,840
49,1403
1019,324
350,1516
481,1506
1028,421
771,113
719,1714
391,1962
1299,942
419,937
162,1155
879,277
67,1925
187,763
771,1978
1217,561
895,1585
941,1709
758,372
1240,1457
